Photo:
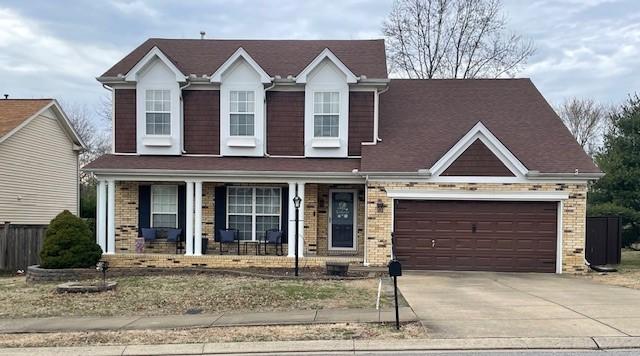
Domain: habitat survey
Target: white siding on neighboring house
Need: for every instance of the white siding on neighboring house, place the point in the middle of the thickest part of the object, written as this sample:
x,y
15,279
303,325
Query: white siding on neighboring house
x,y
38,173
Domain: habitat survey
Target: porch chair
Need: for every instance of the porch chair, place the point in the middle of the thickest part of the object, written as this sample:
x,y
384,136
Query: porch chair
x,y
228,236
273,237
175,236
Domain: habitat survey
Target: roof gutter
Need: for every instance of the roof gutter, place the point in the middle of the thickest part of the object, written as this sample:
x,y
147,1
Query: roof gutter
x,y
568,176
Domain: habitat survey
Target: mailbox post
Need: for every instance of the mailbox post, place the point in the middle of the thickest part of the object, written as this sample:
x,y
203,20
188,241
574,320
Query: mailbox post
x,y
395,270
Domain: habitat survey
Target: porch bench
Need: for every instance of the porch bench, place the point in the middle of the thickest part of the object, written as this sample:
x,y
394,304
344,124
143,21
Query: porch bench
x,y
162,239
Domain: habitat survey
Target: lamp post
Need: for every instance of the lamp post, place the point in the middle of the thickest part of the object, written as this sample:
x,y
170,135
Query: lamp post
x,y
296,203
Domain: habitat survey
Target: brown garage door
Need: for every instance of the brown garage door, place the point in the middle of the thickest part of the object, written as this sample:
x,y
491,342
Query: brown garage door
x,y
476,235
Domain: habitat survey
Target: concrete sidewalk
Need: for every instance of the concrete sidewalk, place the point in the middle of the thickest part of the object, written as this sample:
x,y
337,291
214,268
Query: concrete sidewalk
x,y
320,316
339,346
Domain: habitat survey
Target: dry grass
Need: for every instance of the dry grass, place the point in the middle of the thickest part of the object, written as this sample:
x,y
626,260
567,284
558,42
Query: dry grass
x,y
166,295
628,274
216,334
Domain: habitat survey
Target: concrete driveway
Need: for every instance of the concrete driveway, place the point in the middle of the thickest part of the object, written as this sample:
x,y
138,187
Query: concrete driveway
x,y
479,304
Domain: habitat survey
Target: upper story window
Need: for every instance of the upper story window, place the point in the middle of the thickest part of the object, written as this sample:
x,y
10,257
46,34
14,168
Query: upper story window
x,y
158,112
326,114
164,206
242,113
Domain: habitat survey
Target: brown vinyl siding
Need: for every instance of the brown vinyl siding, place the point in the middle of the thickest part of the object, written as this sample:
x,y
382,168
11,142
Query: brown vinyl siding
x,y
125,120
360,120
201,121
478,160
285,123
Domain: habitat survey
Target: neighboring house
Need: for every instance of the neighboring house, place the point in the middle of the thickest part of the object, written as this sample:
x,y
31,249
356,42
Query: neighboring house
x,y
208,134
38,161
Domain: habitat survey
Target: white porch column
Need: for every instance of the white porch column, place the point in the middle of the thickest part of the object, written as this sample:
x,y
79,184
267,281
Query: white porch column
x,y
198,219
292,220
301,221
189,227
101,213
111,216
291,228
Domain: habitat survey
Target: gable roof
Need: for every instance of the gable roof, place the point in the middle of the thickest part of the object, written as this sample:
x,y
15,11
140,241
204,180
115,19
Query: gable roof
x,y
276,57
421,120
479,133
17,113
13,112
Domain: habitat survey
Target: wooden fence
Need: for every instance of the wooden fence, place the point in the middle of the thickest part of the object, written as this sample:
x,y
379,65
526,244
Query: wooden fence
x,y
20,245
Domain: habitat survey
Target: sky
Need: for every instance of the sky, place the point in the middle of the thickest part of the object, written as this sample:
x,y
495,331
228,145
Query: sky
x,y
584,48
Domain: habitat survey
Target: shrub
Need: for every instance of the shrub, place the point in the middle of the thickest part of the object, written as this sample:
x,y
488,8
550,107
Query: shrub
x,y
630,219
68,243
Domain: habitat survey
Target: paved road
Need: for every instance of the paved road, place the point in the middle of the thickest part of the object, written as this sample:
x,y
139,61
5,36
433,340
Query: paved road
x,y
473,353
477,304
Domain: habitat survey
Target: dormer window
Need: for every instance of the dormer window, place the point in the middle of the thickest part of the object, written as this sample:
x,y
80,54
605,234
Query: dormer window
x,y
326,114
242,113
158,112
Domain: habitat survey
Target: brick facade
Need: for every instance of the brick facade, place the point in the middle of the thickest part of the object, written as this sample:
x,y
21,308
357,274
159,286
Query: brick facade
x,y
573,216
315,229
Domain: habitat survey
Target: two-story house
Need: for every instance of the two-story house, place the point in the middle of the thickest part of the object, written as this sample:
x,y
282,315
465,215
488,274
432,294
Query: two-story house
x,y
217,134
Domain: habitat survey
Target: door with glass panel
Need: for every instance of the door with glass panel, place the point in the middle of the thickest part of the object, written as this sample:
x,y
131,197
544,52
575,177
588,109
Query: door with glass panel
x,y
342,220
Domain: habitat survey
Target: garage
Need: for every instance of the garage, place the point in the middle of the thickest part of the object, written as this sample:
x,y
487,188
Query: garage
x,y
466,235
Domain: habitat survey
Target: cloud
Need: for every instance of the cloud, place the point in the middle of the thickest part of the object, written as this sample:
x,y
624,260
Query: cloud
x,y
135,8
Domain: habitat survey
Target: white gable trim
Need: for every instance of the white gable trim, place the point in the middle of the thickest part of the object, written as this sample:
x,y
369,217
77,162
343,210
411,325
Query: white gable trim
x,y
155,52
482,133
62,118
326,53
240,52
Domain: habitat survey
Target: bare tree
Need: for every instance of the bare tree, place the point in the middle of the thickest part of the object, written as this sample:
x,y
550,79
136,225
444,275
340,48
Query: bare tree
x,y
586,120
97,139
452,39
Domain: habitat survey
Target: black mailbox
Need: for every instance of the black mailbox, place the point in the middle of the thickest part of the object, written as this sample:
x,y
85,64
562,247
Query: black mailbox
x,y
395,269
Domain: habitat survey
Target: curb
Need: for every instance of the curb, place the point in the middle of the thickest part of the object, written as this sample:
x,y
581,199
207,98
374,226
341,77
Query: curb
x,y
278,347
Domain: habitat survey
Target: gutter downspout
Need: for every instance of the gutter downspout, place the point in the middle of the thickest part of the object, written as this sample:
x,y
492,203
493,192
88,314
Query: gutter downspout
x,y
366,219
376,108
182,117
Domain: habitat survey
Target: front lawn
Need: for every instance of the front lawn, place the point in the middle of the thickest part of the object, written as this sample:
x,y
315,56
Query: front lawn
x,y
177,294
340,331
628,274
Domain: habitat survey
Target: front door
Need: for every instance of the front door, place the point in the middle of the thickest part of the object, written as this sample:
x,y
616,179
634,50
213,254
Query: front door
x,y
342,220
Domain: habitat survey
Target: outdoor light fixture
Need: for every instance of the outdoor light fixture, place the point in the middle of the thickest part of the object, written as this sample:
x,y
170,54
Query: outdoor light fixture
x,y
380,206
296,203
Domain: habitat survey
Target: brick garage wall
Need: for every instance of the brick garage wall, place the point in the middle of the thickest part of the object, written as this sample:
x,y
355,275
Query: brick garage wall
x,y
573,216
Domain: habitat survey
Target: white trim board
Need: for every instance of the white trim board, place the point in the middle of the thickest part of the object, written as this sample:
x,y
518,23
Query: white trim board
x,y
476,195
482,133
132,75
240,53
326,53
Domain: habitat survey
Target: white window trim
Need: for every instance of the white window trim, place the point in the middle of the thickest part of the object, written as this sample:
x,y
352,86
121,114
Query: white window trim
x,y
227,142
355,220
316,114
232,136
253,214
164,213
153,137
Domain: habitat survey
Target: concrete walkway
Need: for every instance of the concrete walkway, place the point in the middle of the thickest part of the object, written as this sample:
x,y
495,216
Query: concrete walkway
x,y
479,304
341,347
320,316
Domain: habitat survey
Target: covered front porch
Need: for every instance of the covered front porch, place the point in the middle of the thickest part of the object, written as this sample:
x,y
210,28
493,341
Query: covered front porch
x,y
331,222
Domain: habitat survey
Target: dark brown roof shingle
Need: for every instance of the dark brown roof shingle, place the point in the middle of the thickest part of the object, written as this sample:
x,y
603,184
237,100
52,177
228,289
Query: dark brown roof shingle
x,y
204,163
276,57
420,120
